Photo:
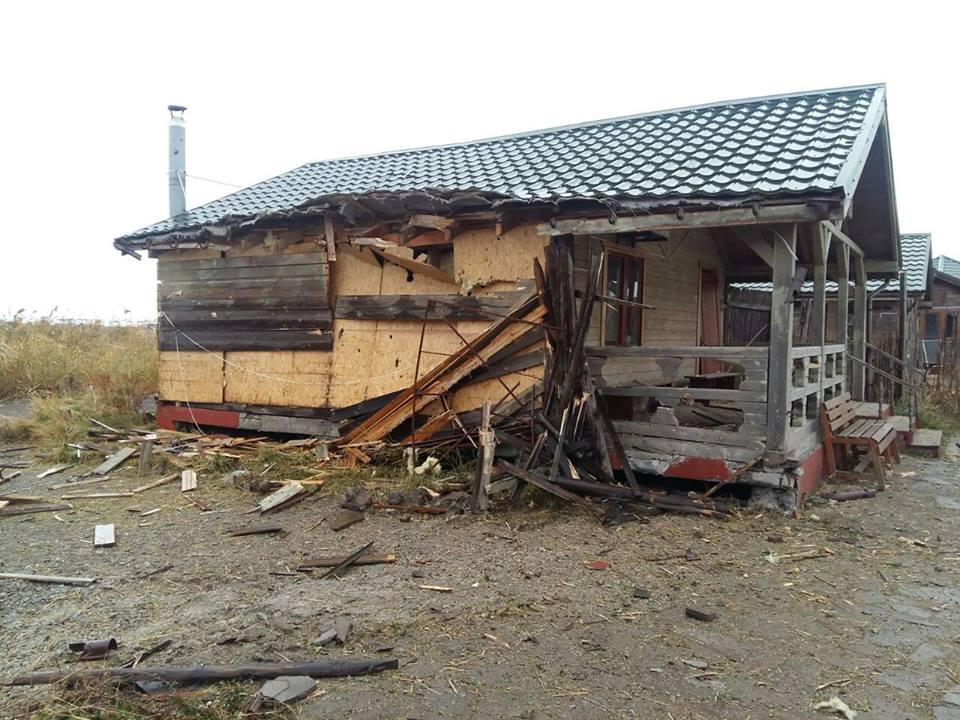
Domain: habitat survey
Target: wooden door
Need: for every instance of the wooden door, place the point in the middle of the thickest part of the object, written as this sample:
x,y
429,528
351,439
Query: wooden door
x,y
710,318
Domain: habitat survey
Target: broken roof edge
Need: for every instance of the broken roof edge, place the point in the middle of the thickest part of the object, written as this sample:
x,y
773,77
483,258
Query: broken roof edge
x,y
234,226
849,171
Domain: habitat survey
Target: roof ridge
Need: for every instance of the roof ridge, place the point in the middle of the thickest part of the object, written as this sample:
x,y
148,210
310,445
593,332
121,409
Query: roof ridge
x,y
600,122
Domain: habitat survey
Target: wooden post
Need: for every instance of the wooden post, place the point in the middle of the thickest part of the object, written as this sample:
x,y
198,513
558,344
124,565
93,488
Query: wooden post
x,y
820,240
901,370
488,445
781,345
146,456
859,349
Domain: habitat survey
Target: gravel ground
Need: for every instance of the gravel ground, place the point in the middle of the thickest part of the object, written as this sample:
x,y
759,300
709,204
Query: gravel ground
x,y
528,630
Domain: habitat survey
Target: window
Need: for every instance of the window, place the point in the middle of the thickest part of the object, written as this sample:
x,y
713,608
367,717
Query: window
x,y
950,322
623,322
931,330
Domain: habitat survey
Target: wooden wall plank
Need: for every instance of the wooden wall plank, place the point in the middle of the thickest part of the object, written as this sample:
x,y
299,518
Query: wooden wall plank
x,y
171,339
414,307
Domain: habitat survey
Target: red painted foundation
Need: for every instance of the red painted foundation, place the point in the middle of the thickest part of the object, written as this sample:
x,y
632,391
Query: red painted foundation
x,y
699,469
168,414
811,476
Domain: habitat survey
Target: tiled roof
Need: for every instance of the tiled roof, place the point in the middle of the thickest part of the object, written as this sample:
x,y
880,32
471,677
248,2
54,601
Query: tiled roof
x,y
813,143
915,261
947,265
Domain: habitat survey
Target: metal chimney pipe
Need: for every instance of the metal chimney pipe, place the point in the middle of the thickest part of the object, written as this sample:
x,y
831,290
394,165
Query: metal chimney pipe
x,y
178,160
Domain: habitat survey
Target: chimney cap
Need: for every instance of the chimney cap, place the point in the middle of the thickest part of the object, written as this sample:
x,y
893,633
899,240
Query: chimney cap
x,y
176,108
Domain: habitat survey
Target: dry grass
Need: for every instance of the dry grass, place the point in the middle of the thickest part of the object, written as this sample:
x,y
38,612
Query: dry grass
x,y
223,701
118,364
74,372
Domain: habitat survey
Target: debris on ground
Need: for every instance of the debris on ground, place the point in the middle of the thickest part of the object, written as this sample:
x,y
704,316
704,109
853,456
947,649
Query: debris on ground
x,y
343,519
327,667
836,705
104,536
701,615
285,689
93,649
290,493
52,579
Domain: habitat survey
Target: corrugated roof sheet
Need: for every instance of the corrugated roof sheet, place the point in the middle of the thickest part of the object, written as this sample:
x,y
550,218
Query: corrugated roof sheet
x,y
915,261
810,143
947,265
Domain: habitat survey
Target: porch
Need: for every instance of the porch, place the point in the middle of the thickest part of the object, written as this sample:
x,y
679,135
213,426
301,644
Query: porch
x,y
723,434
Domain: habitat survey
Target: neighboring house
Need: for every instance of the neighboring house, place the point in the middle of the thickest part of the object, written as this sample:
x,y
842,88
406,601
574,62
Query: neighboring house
x,y
938,321
319,294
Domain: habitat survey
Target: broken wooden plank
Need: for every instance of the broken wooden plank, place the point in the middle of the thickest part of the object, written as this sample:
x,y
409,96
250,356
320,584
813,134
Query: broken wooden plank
x,y
97,496
156,483
419,509
188,480
488,446
51,579
534,478
53,471
334,560
327,667
104,536
347,561
262,530
280,497
343,519
76,483
415,266
28,509
114,461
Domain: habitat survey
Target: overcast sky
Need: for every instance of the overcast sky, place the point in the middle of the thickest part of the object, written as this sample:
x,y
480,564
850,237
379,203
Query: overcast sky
x,y
272,85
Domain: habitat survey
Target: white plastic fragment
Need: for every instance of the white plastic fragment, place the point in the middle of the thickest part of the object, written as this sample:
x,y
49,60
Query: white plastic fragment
x,y
838,706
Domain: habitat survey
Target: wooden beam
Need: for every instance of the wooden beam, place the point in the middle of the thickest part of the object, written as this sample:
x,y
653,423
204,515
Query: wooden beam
x,y
415,266
330,236
762,246
706,218
781,345
843,237
433,222
432,238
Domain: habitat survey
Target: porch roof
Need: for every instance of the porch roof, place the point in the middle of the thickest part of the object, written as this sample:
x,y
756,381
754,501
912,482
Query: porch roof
x,y
811,144
914,259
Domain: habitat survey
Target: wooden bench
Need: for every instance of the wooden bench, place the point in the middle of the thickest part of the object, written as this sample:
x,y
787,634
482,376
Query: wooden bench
x,y
860,445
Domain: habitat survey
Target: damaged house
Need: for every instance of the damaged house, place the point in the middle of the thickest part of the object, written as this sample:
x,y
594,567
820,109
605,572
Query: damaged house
x,y
578,273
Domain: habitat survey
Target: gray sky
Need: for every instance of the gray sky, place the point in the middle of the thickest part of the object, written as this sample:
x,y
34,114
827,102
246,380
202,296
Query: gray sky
x,y
272,85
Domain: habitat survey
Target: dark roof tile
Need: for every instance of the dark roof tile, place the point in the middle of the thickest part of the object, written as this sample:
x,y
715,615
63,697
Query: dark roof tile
x,y
789,144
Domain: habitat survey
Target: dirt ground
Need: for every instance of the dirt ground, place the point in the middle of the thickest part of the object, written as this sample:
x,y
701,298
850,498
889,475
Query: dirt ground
x,y
528,630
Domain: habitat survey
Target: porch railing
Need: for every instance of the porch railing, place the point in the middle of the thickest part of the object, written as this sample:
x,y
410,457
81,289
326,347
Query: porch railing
x,y
660,373
818,374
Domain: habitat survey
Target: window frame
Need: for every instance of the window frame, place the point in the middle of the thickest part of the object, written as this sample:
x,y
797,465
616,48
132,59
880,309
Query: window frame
x,y
626,254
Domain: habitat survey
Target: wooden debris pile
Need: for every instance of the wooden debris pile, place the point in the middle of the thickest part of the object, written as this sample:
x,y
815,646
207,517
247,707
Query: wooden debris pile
x,y
556,436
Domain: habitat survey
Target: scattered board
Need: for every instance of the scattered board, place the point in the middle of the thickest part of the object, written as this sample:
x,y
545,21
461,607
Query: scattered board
x,y
54,471
188,480
114,461
104,536
52,579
